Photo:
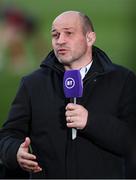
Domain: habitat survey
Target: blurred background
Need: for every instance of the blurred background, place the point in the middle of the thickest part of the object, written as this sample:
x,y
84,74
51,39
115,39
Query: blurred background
x,y
25,36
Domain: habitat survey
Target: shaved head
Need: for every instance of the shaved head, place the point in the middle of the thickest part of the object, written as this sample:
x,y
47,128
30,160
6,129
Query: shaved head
x,y
85,21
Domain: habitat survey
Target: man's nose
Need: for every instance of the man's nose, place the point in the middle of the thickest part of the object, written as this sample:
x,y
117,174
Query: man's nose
x,y
61,39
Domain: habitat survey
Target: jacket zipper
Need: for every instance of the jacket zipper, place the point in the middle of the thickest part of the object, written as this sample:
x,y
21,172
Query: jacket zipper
x,y
90,77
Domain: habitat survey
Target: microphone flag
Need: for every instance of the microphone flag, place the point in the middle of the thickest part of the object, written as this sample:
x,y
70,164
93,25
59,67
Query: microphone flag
x,y
72,84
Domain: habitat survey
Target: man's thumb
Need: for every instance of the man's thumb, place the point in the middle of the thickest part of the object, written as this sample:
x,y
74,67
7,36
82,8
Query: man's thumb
x,y
26,143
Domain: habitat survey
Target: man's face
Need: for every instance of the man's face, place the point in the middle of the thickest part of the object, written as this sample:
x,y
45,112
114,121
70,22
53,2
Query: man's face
x,y
68,40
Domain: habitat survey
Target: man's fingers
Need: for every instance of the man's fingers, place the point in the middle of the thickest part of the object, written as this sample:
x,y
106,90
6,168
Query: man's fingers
x,y
70,113
37,170
71,106
28,163
72,125
76,116
33,169
27,156
72,109
74,122
71,121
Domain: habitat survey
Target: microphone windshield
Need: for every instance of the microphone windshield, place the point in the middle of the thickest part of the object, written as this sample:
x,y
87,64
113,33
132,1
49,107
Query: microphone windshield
x,y
72,84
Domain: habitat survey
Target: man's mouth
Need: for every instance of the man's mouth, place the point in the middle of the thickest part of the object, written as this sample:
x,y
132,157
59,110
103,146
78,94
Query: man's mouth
x,y
62,51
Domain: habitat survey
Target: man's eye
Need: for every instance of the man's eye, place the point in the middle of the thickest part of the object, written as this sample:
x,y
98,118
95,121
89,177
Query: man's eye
x,y
68,33
55,35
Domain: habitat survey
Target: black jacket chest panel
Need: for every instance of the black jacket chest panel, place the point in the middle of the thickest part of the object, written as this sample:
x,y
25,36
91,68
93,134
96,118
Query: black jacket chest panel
x,y
101,94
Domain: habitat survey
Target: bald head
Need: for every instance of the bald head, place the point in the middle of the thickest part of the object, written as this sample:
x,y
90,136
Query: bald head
x,y
76,16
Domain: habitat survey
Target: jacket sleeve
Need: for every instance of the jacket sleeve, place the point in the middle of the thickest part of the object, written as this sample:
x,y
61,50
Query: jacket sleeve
x,y
15,129
112,132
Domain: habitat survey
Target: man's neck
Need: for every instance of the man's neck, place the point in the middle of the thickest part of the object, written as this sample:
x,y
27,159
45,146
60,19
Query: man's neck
x,y
76,66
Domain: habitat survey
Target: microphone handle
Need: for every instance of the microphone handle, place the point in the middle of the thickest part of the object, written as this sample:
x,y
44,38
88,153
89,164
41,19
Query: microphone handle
x,y
74,130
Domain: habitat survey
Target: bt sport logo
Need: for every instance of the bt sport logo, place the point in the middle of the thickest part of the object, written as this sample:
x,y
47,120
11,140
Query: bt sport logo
x,y
69,83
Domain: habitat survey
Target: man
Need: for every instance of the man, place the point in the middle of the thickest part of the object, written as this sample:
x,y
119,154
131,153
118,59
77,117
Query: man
x,y
37,134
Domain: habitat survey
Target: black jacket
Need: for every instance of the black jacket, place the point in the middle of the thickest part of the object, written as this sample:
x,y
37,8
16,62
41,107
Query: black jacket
x,y
38,111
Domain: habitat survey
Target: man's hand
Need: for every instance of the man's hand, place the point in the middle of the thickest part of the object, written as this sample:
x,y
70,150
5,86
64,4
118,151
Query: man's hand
x,y
76,116
26,160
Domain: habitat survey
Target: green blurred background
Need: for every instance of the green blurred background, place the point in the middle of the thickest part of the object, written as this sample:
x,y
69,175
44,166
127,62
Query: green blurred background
x,y
114,23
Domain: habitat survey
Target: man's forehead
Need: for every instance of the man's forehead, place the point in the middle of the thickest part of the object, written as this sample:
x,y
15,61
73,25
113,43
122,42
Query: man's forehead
x,y
66,21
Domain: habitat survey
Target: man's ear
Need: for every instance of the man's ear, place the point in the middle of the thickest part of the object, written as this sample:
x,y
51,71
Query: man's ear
x,y
90,37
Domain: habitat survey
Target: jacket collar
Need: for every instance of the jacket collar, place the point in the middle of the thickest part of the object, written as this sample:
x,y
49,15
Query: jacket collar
x,y
52,62
101,62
